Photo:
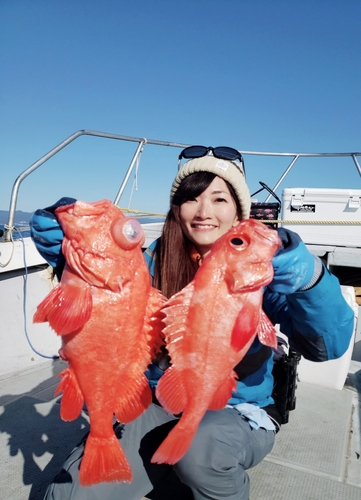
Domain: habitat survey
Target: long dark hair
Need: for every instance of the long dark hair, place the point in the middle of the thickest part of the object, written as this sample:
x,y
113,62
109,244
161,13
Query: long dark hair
x,y
174,267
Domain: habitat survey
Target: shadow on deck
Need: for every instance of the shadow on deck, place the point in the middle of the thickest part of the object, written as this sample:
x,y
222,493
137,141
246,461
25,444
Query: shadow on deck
x,y
316,455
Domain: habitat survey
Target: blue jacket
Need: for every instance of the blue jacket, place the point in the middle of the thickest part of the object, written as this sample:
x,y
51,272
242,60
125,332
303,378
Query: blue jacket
x,y
318,323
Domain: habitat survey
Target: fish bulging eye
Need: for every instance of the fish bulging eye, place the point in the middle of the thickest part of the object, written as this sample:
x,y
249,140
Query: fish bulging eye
x,y
127,233
132,229
236,242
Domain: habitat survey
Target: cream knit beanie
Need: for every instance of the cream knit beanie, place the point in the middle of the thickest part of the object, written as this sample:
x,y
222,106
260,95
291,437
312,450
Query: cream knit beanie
x,y
230,171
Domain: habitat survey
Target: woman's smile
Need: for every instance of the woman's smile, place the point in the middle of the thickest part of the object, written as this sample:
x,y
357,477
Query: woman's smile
x,y
206,218
203,226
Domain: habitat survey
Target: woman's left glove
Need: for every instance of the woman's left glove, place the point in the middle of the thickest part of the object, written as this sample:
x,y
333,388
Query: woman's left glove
x,y
295,268
47,234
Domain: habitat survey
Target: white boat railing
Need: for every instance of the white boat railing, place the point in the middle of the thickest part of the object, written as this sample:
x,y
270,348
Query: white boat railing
x,y
141,142
8,229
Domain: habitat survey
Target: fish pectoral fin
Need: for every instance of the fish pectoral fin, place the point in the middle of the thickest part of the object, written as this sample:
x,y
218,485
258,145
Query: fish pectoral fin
x,y
67,307
135,399
245,326
171,392
72,400
267,332
43,309
223,393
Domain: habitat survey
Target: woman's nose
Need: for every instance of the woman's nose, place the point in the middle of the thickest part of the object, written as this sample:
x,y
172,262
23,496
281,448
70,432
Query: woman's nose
x,y
204,210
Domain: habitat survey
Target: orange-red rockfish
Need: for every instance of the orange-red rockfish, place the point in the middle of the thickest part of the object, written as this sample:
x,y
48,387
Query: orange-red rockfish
x,y
105,310
210,325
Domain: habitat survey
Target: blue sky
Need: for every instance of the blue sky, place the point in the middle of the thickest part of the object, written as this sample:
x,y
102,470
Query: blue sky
x,y
257,75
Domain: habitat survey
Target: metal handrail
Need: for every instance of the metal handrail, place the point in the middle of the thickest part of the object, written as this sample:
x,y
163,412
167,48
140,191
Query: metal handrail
x,y
141,143
296,156
14,194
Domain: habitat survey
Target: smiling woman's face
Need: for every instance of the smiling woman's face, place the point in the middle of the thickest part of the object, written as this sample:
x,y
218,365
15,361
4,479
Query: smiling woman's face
x,y
207,217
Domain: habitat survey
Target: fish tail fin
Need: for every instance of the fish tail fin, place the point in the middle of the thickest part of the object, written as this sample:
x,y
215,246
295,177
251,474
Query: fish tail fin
x,y
173,401
267,332
134,400
103,461
72,400
175,445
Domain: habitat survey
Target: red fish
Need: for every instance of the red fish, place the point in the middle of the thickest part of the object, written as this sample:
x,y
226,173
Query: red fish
x,y
210,325
105,310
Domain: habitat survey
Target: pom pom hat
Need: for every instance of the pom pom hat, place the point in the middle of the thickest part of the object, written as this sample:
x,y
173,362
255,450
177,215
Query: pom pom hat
x,y
230,171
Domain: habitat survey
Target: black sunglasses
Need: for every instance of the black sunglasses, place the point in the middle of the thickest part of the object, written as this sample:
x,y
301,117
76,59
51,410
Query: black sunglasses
x,y
221,152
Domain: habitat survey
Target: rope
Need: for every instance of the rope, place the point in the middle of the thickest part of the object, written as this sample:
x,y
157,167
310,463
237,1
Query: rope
x,y
315,222
133,211
25,291
25,288
135,181
270,221
13,228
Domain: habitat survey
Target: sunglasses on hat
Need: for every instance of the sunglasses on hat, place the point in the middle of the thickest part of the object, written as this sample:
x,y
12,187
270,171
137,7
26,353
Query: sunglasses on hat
x,y
221,152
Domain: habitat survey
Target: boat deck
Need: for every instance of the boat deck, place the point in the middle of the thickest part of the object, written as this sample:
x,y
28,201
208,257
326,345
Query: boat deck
x,y
316,455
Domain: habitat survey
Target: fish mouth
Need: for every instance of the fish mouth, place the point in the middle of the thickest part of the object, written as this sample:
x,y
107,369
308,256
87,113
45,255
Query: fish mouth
x,y
252,286
264,232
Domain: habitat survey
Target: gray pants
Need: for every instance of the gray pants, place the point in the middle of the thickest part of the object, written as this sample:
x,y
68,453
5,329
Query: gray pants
x,y
213,468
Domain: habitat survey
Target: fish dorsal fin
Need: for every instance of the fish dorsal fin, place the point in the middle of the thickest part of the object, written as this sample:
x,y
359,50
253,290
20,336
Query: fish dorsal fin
x,y
176,311
67,307
267,332
154,321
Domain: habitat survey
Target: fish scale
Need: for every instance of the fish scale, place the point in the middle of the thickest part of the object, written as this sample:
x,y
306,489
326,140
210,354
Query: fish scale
x,y
210,336
106,312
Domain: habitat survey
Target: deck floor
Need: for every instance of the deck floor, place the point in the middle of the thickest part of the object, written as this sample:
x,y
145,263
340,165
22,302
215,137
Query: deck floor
x,y
316,455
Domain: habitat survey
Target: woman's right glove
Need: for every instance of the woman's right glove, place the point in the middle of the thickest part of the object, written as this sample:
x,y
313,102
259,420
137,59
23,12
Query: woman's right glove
x,y
47,234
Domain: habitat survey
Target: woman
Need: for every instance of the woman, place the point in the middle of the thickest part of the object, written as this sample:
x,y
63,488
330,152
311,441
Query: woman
x,y
209,196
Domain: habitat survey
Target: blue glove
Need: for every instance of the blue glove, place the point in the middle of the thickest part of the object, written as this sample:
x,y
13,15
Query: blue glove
x,y
47,234
295,268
